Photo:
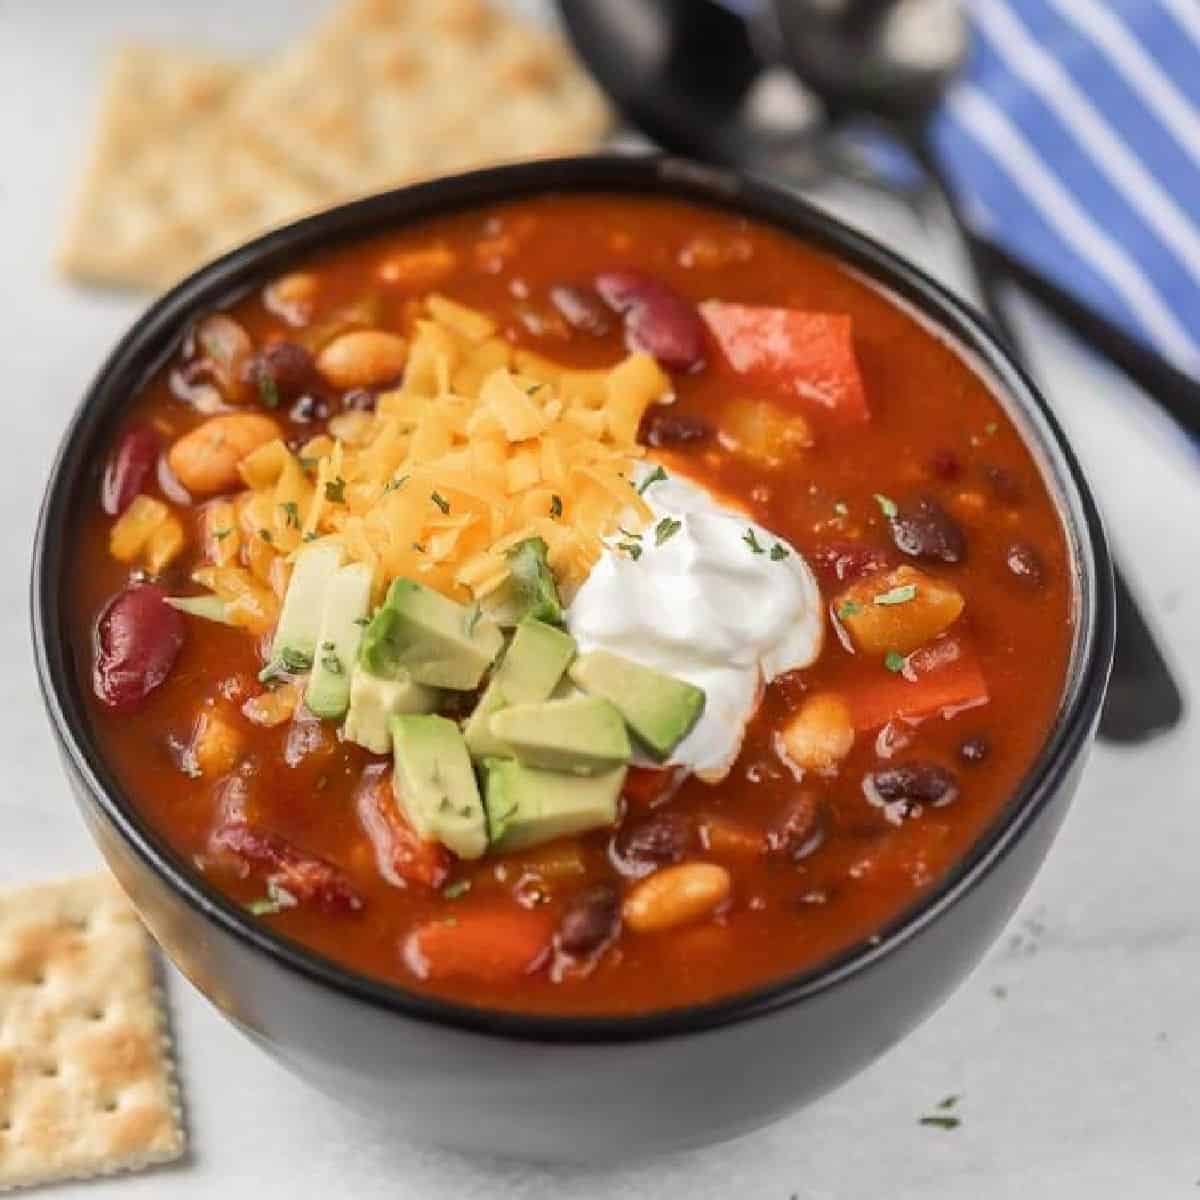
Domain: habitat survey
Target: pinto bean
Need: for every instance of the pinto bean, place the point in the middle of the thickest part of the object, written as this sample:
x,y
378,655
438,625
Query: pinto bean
x,y
206,459
924,529
676,896
363,358
590,919
581,308
138,639
126,471
657,319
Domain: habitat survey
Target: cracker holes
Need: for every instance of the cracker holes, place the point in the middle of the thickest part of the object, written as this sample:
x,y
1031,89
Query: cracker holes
x,y
95,1014
5,1125
110,1105
50,1071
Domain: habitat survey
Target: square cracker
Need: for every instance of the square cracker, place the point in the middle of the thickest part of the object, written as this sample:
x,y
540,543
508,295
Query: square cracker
x,y
386,91
86,1078
171,182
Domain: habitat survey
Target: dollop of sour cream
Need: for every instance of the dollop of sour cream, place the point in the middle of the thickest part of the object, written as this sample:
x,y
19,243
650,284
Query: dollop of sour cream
x,y
703,604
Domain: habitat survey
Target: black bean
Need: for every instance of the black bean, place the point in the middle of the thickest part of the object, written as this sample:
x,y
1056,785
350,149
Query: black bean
x,y
288,366
908,784
662,427
798,832
582,309
1025,563
589,920
307,409
975,749
922,528
661,839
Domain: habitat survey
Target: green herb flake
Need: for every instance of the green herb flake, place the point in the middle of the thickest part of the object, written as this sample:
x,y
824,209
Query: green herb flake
x,y
666,529
636,537
221,534
335,490
849,608
990,428
887,505
291,513
460,887
633,549
268,391
362,621
556,509
266,535
894,662
779,552
394,485
332,664
310,536
940,1122
440,501
472,619
841,508
949,1102
264,907
655,476
418,547
753,542
308,463
897,595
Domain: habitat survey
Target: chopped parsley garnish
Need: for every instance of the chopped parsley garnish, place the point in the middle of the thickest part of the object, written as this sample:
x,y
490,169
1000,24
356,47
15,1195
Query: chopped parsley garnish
x,y
537,387
633,549
331,663
667,528
335,490
949,1102
268,391
460,887
990,428
221,534
556,506
266,535
897,595
276,900
310,536
887,505
637,537
294,660
849,608
655,476
940,1122
841,508
308,463
291,513
472,619
779,552
440,501
393,485
894,662
753,542
363,621
418,547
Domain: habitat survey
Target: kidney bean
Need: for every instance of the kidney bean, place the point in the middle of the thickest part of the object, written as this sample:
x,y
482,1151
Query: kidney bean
x,y
922,528
662,838
282,372
126,471
846,561
975,749
657,320
590,919
305,877
1025,563
909,784
798,832
581,308
662,427
138,638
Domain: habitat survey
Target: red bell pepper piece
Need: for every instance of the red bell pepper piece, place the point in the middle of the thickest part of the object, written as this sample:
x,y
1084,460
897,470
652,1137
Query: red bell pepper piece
x,y
400,854
487,945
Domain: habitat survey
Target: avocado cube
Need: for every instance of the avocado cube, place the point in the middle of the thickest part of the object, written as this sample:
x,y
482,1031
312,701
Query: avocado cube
x,y
526,807
660,709
582,736
373,704
347,602
436,641
435,784
295,643
531,668
530,590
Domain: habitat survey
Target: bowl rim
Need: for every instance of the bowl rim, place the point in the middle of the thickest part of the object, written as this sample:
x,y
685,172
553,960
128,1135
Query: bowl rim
x,y
154,336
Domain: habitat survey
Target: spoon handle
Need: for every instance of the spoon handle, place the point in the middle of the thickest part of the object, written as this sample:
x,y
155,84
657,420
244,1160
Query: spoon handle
x,y
1143,699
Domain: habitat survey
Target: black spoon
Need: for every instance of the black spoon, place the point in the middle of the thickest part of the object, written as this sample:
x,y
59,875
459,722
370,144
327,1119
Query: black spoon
x,y
686,71
848,53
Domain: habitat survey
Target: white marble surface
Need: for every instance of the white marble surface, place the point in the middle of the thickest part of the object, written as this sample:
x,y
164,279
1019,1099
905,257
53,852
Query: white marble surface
x,y
1076,1045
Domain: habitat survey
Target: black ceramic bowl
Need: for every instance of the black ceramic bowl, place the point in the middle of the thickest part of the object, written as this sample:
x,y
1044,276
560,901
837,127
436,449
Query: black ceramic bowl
x,y
569,1088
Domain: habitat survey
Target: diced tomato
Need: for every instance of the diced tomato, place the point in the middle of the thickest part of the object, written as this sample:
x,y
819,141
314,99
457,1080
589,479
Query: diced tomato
x,y
488,946
401,856
647,786
939,678
808,355
305,877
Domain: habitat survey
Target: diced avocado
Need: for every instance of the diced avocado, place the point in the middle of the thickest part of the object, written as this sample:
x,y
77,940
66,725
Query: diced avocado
x,y
347,602
435,784
433,639
530,590
526,806
582,736
373,704
531,667
295,642
660,709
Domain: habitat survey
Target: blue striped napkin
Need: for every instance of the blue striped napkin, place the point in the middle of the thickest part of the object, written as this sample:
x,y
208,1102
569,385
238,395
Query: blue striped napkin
x,y
1073,138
